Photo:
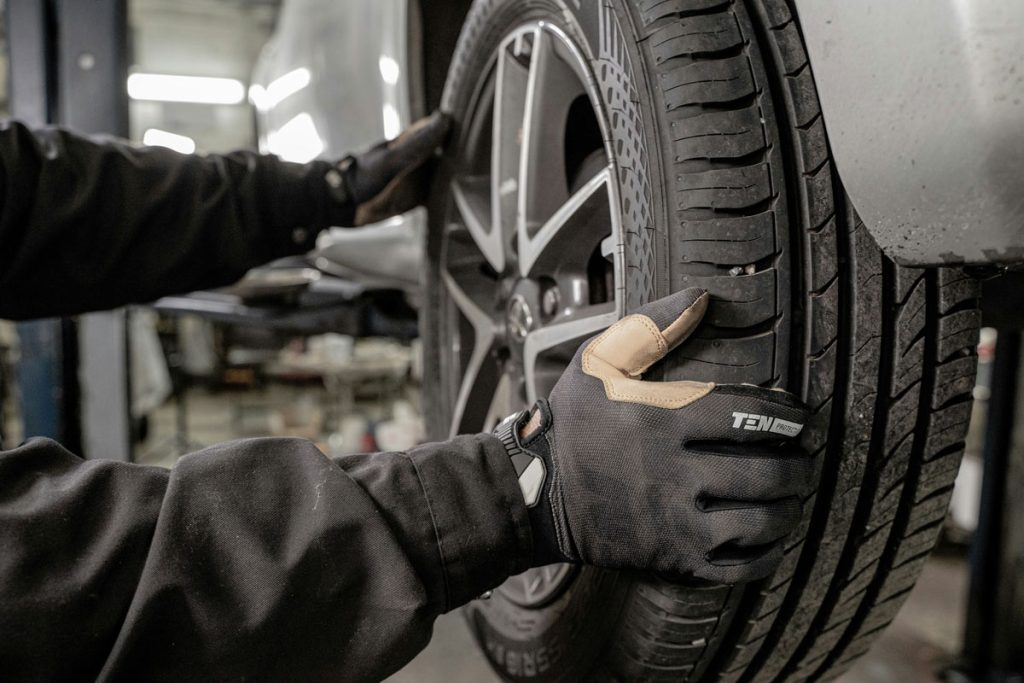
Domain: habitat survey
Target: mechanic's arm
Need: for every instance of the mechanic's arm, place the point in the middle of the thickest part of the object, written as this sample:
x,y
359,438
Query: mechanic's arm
x,y
253,560
266,560
87,224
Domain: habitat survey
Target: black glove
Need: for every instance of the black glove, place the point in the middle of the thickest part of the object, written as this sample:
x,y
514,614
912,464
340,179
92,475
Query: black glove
x,y
390,178
686,478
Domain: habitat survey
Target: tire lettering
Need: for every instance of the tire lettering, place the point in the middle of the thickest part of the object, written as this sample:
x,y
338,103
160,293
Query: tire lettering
x,y
542,660
512,662
529,664
525,663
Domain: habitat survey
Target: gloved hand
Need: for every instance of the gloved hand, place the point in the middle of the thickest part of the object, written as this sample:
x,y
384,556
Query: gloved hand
x,y
392,177
686,478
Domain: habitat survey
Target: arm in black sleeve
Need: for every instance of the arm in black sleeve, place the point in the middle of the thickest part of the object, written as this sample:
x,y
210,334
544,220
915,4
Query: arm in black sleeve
x,y
259,559
89,225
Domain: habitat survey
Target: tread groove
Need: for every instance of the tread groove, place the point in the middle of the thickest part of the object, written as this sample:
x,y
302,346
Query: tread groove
x,y
902,520
862,513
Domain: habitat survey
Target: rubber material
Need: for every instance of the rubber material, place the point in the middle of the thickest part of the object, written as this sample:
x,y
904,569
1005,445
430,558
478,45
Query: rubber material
x,y
727,183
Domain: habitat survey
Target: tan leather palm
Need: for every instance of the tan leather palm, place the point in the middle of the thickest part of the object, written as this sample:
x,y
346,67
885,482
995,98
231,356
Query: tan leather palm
x,y
629,347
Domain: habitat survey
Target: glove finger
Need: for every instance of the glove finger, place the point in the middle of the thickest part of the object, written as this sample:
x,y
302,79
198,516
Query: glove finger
x,y
417,143
752,567
404,193
633,344
738,529
752,475
771,396
678,314
386,165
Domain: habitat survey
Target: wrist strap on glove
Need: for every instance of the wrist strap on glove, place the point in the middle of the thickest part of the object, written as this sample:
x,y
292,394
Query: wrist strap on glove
x,y
531,459
530,467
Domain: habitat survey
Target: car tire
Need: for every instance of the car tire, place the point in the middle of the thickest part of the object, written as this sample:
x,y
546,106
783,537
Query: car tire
x,y
726,182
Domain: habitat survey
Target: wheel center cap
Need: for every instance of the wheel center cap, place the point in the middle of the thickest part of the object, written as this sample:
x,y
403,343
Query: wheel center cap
x,y
519,317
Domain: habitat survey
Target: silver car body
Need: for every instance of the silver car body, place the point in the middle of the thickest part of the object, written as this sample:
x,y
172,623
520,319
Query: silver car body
x,y
334,79
924,105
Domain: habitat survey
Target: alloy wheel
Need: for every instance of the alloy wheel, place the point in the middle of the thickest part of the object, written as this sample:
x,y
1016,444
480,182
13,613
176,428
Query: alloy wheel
x,y
531,260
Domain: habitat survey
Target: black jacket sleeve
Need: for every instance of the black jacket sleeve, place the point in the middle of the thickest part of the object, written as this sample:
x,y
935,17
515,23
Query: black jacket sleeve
x,y
89,225
256,560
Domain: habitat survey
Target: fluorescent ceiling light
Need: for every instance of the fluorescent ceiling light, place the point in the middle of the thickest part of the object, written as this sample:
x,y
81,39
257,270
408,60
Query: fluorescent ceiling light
x,y
155,137
392,124
389,70
297,140
195,89
258,96
284,87
279,89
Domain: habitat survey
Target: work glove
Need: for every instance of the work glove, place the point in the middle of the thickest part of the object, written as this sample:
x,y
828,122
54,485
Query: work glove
x,y
390,178
686,478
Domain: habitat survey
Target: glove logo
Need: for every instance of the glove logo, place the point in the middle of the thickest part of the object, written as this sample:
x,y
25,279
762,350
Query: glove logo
x,y
764,423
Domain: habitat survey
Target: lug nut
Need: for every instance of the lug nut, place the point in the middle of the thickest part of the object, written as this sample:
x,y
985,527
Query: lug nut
x,y
549,302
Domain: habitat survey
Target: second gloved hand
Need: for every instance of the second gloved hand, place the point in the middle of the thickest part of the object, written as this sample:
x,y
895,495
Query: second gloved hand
x,y
686,478
392,177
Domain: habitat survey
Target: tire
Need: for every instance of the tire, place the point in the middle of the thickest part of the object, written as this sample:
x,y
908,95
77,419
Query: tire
x,y
726,179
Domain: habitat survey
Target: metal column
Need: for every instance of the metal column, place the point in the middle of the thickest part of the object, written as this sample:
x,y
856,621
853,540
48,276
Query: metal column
x,y
994,635
69,66
92,75
46,373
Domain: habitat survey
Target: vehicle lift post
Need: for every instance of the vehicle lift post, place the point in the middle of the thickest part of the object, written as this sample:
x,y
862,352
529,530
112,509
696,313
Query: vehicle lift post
x,y
994,633
68,65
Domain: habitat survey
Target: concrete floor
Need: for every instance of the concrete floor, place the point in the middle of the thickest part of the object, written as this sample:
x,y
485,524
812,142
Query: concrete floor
x,y
452,657
923,639
927,634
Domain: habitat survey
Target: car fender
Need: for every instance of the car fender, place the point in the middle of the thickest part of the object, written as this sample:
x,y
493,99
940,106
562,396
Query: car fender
x,y
923,101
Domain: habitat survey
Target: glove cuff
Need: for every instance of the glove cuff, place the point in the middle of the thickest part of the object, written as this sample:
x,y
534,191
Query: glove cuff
x,y
530,468
531,459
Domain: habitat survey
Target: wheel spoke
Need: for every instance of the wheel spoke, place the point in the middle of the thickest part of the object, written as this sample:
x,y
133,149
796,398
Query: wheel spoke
x,y
534,582
589,321
552,88
502,404
510,92
484,335
488,241
594,195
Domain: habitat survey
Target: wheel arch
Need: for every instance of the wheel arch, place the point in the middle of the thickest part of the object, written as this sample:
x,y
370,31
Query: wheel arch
x,y
925,124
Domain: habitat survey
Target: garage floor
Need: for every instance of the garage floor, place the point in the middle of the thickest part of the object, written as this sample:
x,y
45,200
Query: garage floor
x,y
924,638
